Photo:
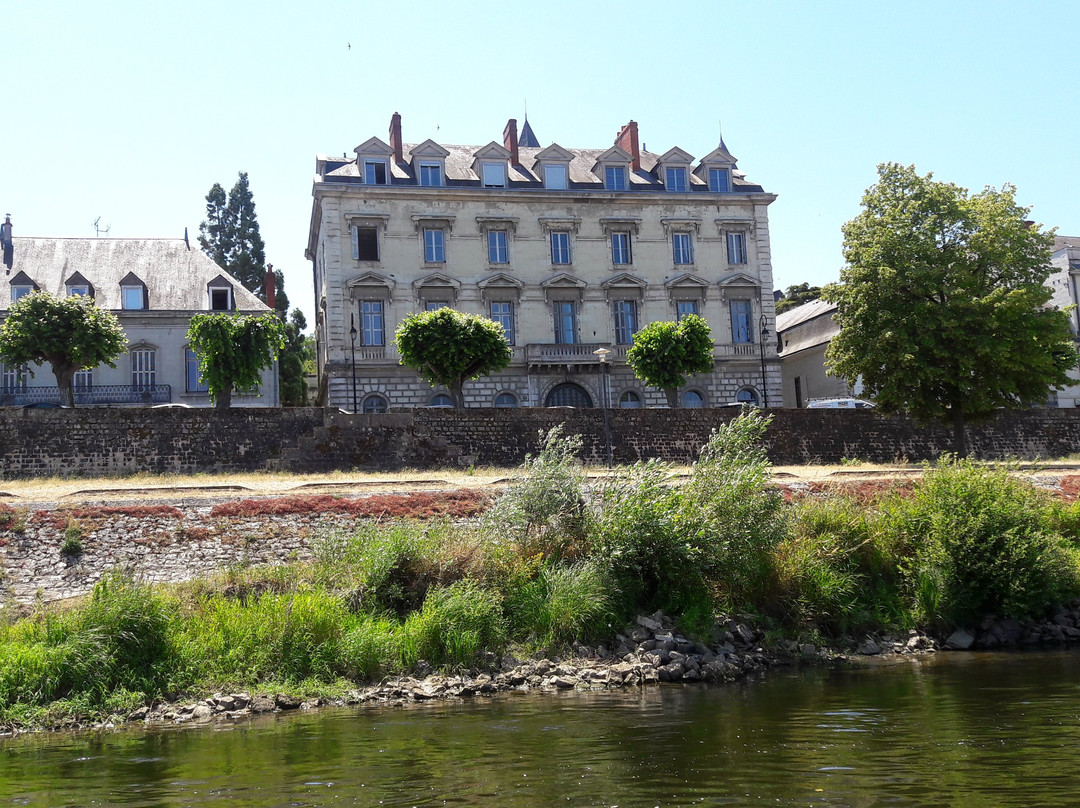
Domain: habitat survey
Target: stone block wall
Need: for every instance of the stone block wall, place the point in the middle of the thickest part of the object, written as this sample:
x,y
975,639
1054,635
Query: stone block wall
x,y
87,442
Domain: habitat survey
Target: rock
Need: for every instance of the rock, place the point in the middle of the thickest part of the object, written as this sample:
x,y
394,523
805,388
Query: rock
x,y
869,647
807,649
650,624
140,714
744,634
959,640
287,702
201,713
563,682
262,704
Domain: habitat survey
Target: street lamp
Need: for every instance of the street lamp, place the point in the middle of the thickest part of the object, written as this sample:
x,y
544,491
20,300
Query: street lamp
x,y
764,323
602,355
352,334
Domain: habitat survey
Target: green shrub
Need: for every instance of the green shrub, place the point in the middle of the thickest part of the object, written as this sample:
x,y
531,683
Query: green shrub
x,y
560,604
974,541
456,624
543,509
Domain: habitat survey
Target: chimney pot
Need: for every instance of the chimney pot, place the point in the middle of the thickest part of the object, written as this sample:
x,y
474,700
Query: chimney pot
x,y
270,287
510,140
627,140
395,137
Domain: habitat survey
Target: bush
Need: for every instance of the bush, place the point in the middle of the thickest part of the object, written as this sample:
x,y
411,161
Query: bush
x,y
975,541
456,624
560,604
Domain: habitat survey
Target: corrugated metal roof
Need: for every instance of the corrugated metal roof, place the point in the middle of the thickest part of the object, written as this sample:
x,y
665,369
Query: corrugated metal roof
x,y
175,275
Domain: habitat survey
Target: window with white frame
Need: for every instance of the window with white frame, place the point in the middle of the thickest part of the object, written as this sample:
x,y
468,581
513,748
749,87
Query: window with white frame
x,y
742,317
615,178
630,400
83,380
19,292
625,312
373,404
675,178
221,298
435,305
193,378
13,378
502,312
143,369
78,289
372,325
686,307
365,243
555,177
506,400
441,400
133,297
736,248
376,172
430,174
747,396
434,245
498,247
692,400
620,247
565,322
720,180
682,248
493,175
560,247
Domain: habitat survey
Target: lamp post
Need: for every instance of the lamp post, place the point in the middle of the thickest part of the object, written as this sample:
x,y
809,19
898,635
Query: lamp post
x,y
602,355
764,323
352,334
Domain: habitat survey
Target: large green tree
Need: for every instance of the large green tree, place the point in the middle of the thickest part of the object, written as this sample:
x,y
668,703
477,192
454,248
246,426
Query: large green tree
x,y
665,353
233,350
230,236
448,347
291,362
70,333
796,295
942,305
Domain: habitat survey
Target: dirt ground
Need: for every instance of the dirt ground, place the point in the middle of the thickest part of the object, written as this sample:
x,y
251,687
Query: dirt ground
x,y
166,487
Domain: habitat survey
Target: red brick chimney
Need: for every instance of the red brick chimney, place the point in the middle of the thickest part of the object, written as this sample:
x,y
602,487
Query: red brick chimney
x,y
510,140
395,137
270,287
627,140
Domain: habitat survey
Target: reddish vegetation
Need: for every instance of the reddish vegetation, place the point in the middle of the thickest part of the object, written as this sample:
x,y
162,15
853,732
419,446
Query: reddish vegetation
x,y
862,491
60,518
464,502
7,514
1070,487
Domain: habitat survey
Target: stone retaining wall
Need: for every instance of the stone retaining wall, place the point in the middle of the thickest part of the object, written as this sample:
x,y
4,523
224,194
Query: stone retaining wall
x,y
86,442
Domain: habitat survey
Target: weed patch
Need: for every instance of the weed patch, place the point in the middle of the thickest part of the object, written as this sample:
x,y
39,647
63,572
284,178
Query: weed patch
x,y
461,503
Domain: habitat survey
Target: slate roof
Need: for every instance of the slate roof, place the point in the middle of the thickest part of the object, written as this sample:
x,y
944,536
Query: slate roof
x,y
459,170
1061,242
806,326
176,276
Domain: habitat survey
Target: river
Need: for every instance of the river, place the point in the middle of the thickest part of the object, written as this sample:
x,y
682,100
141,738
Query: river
x,y
942,730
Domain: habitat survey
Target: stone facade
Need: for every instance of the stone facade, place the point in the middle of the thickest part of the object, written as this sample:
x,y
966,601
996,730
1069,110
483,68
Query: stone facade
x,y
572,249
93,442
1063,280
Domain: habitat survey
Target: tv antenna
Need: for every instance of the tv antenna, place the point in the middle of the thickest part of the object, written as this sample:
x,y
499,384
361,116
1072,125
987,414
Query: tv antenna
x,y
98,229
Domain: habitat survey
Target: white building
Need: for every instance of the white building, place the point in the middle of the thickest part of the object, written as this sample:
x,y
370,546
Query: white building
x,y
1065,282
570,249
154,287
804,333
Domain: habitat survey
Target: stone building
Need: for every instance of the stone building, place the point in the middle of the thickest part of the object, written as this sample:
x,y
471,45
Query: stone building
x,y
1064,280
154,287
804,333
571,250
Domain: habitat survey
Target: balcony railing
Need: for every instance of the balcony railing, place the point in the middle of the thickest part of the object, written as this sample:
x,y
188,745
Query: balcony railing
x,y
736,349
577,354
88,396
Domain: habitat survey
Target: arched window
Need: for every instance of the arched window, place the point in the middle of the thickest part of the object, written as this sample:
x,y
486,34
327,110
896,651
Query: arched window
x,y
693,400
630,400
143,369
441,400
506,400
373,404
568,394
747,396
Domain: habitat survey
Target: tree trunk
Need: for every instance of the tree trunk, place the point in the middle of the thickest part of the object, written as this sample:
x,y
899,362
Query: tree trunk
x,y
65,379
672,394
224,399
959,433
457,395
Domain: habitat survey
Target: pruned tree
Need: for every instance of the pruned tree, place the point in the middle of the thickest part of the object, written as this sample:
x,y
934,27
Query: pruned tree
x,y
942,305
449,348
233,351
665,353
230,236
70,333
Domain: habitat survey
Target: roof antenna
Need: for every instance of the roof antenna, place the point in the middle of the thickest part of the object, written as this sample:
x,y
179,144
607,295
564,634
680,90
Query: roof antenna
x,y
98,229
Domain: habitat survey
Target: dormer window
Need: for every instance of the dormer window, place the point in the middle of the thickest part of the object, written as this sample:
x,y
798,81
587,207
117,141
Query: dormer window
x,y
18,292
79,290
555,176
720,180
78,285
493,175
615,178
221,294
376,172
133,294
21,285
430,174
675,179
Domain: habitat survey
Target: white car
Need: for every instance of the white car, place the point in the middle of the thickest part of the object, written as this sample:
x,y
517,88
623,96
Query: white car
x,y
840,404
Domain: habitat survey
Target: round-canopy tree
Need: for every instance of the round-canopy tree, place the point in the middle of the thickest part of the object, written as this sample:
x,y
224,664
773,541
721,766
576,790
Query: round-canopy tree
x,y
942,306
665,353
70,333
448,347
233,350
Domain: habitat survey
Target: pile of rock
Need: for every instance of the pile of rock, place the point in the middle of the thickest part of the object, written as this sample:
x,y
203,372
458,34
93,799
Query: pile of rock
x,y
1063,627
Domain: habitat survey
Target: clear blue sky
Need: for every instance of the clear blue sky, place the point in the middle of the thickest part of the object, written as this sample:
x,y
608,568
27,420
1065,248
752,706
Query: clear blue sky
x,y
131,111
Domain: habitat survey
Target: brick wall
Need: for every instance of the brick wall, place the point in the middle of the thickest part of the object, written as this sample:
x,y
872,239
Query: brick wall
x,y
85,442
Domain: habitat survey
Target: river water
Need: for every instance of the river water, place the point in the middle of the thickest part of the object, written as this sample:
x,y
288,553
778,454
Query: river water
x,y
943,730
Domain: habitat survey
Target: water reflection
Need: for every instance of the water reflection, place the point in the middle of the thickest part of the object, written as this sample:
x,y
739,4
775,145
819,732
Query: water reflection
x,y
946,730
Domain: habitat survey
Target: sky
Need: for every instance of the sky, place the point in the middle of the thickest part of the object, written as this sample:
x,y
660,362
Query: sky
x,y
131,111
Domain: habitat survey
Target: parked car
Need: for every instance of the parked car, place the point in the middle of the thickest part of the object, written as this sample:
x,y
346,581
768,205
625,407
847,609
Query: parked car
x,y
840,404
